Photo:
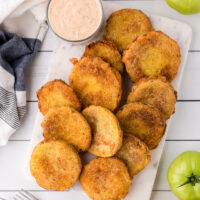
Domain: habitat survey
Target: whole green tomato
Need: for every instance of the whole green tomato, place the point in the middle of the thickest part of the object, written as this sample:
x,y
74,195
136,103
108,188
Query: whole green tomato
x,y
185,7
184,176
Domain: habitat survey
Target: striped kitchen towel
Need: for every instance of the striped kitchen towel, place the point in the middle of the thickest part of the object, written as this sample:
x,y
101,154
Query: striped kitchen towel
x,y
16,53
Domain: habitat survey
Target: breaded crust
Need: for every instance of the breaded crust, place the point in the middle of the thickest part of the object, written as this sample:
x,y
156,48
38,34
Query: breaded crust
x,y
124,26
142,121
55,165
150,55
106,131
134,153
156,92
55,94
107,51
68,124
96,83
105,179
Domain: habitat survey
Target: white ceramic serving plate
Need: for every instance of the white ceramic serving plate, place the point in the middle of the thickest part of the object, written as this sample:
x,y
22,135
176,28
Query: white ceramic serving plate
x,y
61,67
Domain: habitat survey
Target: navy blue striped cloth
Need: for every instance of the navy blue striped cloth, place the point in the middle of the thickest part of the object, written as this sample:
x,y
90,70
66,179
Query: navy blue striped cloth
x,y
15,54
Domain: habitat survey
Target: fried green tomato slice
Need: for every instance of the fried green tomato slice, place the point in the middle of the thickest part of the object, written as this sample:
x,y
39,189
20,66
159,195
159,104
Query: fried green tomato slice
x,y
96,83
142,121
55,94
107,51
124,26
105,178
68,124
55,165
134,153
106,131
151,55
156,92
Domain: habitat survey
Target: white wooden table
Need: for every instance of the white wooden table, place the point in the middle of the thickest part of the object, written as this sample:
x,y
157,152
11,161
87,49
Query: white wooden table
x,y
184,132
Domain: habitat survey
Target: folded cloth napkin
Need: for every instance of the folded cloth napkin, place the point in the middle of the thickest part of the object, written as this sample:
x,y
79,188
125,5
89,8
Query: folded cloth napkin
x,y
8,6
16,52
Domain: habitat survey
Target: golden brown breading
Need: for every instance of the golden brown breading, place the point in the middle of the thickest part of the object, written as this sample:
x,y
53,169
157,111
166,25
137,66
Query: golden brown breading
x,y
68,124
96,83
124,26
106,131
107,51
142,121
105,179
134,153
156,92
55,165
55,94
150,55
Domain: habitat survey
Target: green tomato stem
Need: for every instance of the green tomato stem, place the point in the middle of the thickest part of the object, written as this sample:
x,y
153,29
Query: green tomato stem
x,y
193,179
183,184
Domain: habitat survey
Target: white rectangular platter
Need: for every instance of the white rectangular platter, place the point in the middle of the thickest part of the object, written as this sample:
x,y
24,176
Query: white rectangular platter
x,y
61,67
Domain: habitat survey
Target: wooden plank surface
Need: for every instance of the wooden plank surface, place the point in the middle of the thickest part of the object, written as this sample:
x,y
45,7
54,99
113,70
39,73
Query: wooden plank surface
x,y
13,158
156,7
183,134
43,195
184,125
36,75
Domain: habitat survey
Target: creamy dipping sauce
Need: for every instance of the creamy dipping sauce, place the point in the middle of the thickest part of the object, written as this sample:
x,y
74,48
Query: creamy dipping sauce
x,y
74,19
